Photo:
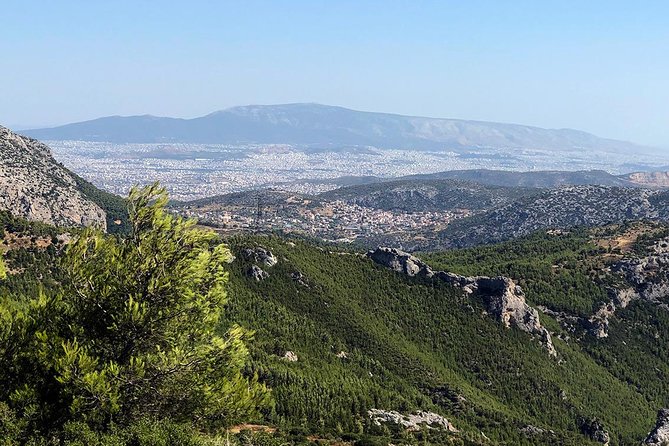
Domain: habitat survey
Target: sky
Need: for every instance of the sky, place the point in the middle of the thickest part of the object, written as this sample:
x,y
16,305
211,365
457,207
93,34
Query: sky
x,y
598,66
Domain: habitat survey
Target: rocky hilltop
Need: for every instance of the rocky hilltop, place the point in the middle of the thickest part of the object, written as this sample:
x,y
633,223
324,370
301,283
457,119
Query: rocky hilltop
x,y
34,186
650,179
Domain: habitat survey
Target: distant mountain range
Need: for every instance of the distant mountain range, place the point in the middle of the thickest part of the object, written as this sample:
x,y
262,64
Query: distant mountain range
x,y
328,127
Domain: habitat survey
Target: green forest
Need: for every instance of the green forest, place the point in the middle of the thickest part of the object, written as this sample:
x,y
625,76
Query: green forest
x,y
161,336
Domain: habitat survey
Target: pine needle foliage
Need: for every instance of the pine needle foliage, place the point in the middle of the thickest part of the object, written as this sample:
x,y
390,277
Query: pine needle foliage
x,y
134,333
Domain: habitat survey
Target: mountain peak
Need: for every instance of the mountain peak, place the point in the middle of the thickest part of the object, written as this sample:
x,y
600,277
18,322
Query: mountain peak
x,y
318,124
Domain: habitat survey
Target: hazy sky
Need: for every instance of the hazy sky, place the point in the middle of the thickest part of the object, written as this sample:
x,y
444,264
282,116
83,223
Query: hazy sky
x,y
599,66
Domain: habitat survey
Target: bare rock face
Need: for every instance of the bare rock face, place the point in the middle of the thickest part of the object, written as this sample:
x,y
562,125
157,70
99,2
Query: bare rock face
x,y
261,255
400,261
412,422
593,429
649,280
34,186
503,298
257,273
506,301
290,356
659,436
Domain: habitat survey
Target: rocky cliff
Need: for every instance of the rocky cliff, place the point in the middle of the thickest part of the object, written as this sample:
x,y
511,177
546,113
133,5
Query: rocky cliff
x,y
34,186
502,297
659,436
648,279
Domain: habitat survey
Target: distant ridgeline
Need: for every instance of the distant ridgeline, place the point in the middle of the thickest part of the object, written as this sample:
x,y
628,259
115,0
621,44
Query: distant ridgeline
x,y
332,128
465,213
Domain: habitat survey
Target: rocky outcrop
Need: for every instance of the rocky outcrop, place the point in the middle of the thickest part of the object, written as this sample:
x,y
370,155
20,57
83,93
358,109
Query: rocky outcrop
x,y
412,422
290,356
261,255
648,277
256,273
659,436
594,430
299,278
34,186
503,298
400,262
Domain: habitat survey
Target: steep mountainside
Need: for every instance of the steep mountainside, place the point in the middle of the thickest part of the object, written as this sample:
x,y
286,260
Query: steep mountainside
x,y
33,185
428,195
326,126
560,208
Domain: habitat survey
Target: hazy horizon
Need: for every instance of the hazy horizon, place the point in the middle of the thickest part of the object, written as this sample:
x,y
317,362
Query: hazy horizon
x,y
597,67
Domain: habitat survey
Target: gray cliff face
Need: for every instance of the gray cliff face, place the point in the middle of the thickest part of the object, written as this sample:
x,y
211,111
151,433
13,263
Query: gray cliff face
x,y
503,298
34,186
659,436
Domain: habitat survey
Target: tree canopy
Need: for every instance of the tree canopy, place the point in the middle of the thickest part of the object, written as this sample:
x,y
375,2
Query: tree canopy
x,y
134,332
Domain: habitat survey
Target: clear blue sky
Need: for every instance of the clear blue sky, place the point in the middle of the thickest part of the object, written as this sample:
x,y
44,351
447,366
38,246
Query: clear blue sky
x,y
600,66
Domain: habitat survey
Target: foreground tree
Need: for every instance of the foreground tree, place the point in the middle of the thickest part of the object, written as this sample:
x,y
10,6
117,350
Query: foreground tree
x,y
136,331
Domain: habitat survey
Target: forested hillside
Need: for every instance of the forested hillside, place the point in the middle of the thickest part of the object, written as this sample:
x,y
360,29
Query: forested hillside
x,y
345,345
387,341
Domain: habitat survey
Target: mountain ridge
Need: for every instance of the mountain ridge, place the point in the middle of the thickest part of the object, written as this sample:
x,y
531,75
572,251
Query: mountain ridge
x,y
329,126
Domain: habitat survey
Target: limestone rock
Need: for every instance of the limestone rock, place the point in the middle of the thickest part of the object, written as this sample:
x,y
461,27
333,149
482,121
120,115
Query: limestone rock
x,y
255,272
36,187
648,277
261,255
299,278
594,430
290,356
659,436
411,422
400,261
506,301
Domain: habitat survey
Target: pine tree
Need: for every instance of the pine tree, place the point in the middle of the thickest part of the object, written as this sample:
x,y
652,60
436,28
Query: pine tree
x,y
136,331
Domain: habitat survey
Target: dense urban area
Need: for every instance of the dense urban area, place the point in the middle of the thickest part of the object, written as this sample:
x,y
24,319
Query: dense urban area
x,y
192,171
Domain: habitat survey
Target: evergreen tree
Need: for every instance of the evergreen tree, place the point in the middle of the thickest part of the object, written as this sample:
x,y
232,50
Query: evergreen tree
x,y
136,330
